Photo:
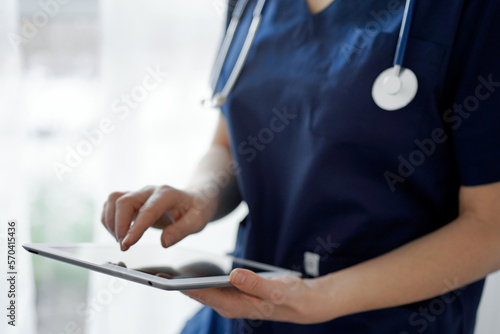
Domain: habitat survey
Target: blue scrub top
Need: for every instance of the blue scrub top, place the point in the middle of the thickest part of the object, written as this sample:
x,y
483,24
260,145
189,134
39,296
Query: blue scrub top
x,y
325,171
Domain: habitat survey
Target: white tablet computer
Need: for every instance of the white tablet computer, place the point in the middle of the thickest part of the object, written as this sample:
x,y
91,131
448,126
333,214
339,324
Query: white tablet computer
x,y
169,269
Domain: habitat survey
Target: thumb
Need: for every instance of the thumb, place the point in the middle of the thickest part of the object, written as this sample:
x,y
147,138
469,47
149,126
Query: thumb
x,y
249,282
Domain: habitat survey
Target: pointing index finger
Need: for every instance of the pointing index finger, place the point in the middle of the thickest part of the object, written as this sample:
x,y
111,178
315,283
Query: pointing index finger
x,y
159,202
125,209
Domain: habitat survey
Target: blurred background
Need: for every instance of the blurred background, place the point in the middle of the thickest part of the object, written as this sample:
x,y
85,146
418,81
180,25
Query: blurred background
x,y
98,96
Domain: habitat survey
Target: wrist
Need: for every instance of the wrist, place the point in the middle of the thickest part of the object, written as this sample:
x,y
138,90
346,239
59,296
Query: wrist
x,y
328,290
205,199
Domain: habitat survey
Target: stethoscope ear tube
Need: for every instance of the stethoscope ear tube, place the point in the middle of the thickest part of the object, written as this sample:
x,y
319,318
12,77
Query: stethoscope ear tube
x,y
227,41
219,99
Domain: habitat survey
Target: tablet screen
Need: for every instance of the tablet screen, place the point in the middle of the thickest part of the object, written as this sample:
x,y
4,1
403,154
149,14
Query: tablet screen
x,y
167,263
173,268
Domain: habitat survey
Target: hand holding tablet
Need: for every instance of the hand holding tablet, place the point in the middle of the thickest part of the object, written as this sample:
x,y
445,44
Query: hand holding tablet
x,y
169,269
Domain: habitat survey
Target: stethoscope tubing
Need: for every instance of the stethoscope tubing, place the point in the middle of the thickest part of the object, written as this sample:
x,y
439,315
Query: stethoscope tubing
x,y
218,99
404,33
245,50
238,11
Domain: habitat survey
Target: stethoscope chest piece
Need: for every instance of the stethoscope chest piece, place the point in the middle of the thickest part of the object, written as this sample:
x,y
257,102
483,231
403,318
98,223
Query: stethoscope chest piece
x,y
395,88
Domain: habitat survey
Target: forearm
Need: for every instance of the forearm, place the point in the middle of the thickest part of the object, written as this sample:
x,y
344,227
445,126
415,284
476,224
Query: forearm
x,y
462,252
214,182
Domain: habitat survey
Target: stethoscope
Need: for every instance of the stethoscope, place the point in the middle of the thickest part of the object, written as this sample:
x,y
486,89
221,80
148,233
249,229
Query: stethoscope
x,y
393,89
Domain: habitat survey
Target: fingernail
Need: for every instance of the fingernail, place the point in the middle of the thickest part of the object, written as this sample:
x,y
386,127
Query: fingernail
x,y
238,278
124,242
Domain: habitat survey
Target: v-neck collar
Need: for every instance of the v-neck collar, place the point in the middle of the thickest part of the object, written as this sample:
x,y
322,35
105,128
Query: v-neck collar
x,y
321,12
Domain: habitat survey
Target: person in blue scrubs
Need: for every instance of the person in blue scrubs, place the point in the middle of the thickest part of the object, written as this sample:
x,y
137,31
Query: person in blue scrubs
x,y
393,217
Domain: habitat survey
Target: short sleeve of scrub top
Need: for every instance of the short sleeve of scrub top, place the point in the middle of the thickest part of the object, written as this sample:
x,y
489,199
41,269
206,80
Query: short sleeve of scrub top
x,y
330,179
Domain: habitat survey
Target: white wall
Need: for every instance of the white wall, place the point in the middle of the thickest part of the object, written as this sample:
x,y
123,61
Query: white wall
x,y
13,204
161,140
